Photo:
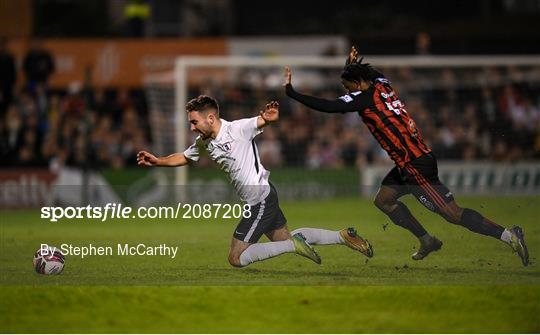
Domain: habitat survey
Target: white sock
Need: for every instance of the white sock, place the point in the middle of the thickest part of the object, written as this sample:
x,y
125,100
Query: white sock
x,y
506,236
319,236
261,251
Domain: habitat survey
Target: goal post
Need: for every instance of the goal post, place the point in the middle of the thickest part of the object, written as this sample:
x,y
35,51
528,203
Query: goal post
x,y
181,83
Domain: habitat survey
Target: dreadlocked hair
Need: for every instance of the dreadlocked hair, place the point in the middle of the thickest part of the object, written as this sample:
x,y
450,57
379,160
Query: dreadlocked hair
x,y
360,72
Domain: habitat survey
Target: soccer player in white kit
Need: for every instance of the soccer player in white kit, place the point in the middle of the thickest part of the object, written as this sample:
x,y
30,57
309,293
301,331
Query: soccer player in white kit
x,y
231,145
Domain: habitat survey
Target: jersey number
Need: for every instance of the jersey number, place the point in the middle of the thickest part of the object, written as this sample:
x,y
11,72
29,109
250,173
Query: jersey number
x,y
396,106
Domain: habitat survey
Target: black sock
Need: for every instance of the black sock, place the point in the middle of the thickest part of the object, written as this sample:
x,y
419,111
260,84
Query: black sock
x,y
475,222
402,217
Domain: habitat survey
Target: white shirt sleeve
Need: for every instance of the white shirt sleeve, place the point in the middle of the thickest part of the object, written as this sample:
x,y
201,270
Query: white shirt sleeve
x,y
194,151
247,128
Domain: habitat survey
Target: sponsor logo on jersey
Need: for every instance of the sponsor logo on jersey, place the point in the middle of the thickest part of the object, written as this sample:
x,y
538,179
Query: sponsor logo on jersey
x,y
426,203
386,96
346,98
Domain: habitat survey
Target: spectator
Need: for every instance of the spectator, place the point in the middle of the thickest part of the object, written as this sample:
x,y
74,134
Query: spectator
x,y
12,133
526,115
497,119
136,13
507,100
8,76
349,147
423,43
38,65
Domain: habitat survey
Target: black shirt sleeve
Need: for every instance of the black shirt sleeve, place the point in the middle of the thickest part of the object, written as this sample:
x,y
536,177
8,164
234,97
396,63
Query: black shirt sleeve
x,y
345,104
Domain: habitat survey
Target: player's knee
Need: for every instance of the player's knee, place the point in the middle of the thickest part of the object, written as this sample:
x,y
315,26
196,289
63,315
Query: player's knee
x,y
296,231
383,204
234,260
379,203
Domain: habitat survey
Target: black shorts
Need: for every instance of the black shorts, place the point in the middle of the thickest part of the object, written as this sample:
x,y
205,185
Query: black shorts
x,y
421,178
265,217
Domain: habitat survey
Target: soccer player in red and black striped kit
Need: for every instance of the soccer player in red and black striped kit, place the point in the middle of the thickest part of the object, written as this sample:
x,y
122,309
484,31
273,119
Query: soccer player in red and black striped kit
x,y
372,96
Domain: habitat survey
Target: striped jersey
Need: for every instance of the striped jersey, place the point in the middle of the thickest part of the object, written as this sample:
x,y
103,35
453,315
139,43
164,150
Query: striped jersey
x,y
384,115
387,119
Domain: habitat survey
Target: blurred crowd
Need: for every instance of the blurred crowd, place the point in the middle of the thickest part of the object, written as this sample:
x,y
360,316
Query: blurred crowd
x,y
463,114
79,126
472,114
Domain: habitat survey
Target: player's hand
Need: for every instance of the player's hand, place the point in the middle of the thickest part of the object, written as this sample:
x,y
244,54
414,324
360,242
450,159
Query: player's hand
x,y
145,158
271,112
353,55
288,76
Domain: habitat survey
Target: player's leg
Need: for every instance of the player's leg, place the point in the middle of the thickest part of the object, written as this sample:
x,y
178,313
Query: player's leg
x,y
301,245
279,234
387,201
393,187
434,195
311,235
477,223
243,253
347,236
316,236
244,247
236,250
264,218
466,217
278,229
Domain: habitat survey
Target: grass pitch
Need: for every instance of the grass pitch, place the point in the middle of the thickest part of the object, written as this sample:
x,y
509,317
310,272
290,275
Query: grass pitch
x,y
474,284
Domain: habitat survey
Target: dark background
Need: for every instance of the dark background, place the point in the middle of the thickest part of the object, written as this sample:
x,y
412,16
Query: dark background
x,y
385,27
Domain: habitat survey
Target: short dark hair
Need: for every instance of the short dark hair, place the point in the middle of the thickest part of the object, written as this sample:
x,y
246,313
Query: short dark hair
x,y
202,103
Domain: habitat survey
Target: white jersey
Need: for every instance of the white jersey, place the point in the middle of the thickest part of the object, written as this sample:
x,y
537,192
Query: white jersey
x,y
235,152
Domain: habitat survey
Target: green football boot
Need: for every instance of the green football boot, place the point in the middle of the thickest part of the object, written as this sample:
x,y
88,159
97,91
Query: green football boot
x,y
302,248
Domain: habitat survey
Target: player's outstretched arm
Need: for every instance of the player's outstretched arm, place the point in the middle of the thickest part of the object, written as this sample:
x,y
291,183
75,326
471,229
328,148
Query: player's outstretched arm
x,y
269,115
144,158
319,104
